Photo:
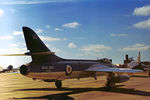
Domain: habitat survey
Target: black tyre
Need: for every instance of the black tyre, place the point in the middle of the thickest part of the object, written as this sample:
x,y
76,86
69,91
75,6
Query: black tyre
x,y
58,84
110,84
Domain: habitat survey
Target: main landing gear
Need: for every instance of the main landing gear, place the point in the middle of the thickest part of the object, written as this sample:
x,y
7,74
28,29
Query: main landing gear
x,y
149,73
110,80
58,84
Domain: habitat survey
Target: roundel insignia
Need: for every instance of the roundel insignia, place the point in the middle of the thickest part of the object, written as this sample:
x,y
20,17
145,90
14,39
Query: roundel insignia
x,y
68,70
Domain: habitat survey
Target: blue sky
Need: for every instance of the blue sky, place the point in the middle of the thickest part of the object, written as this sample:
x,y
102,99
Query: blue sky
x,y
77,29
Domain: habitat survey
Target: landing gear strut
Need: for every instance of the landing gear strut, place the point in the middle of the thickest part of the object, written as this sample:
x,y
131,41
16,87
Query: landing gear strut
x,y
110,80
58,84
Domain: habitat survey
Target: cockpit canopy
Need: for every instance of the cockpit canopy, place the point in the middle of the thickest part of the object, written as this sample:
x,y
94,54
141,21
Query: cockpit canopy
x,y
105,60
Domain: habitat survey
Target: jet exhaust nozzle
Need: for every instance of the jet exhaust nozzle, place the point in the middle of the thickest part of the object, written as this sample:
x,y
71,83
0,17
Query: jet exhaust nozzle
x,y
24,70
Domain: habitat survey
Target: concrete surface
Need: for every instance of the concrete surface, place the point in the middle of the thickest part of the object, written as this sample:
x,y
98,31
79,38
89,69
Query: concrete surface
x,y
14,86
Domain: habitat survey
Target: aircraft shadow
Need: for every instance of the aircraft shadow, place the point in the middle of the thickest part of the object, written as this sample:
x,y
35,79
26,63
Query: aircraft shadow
x,y
140,76
65,96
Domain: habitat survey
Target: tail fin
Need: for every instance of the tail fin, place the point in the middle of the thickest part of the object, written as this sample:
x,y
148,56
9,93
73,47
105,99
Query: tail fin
x,y
37,47
33,42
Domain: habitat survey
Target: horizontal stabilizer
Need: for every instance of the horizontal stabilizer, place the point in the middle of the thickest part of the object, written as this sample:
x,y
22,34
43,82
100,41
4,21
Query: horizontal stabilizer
x,y
14,55
29,54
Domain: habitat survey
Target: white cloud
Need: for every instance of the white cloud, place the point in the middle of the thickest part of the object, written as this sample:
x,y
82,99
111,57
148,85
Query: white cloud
x,y
25,2
17,32
95,48
48,38
18,44
143,24
1,12
56,50
21,44
38,31
18,50
72,45
7,37
136,47
58,29
118,35
65,39
1,50
14,45
142,11
71,25
47,26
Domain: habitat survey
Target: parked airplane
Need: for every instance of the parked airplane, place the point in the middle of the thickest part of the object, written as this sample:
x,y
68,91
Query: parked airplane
x,y
49,67
138,65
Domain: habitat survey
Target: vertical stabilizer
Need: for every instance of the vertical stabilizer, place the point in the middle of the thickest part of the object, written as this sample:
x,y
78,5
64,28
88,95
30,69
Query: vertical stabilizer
x,y
33,42
38,50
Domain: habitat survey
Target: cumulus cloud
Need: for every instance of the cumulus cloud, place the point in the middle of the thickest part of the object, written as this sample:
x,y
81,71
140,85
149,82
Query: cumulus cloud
x,y
2,50
13,45
136,47
17,32
29,2
56,50
7,37
58,29
18,44
50,39
72,45
47,26
142,11
65,39
95,48
38,31
118,35
18,50
1,12
71,25
143,24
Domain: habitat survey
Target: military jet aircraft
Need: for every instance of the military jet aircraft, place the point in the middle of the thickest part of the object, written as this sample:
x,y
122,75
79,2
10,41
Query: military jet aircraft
x,y
138,64
48,67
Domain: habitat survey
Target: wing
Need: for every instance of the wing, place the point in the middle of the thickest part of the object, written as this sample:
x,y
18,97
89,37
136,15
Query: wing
x,y
109,68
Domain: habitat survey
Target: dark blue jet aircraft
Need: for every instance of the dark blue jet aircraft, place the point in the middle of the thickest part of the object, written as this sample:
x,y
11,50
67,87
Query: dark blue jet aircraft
x,y
48,67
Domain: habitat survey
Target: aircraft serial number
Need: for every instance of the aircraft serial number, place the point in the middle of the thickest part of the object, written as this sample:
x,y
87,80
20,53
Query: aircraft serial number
x,y
47,67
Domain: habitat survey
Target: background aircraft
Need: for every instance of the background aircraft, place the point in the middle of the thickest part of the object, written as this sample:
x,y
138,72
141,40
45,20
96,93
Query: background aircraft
x,y
48,67
138,64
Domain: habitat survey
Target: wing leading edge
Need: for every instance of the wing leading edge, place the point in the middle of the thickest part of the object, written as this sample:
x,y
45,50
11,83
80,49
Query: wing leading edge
x,y
99,68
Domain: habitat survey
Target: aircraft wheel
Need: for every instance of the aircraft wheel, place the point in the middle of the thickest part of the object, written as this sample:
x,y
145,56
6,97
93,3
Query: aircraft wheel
x,y
58,84
110,84
149,73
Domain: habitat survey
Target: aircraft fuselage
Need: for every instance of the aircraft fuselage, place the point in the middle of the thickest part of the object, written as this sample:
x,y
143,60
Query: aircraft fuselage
x,y
61,70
